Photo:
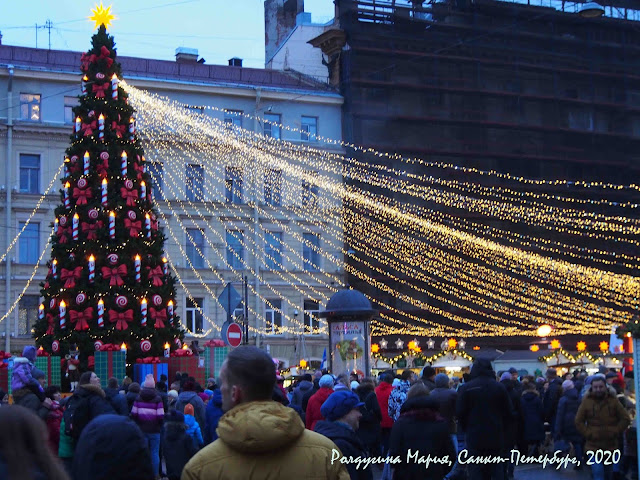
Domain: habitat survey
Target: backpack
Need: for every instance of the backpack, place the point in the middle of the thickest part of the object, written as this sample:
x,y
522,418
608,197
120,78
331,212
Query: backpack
x,y
76,416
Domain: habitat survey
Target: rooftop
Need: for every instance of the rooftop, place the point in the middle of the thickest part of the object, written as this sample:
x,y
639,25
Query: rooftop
x,y
133,67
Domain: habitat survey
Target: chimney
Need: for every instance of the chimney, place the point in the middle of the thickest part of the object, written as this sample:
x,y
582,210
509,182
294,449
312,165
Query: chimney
x,y
186,55
235,62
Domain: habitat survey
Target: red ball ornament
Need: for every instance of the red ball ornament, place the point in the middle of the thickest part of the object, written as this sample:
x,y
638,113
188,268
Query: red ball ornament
x,y
82,183
121,301
113,258
100,76
132,215
63,221
157,300
55,346
97,344
104,156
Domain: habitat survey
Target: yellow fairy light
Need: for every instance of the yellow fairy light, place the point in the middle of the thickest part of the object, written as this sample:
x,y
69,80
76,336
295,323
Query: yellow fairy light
x,y
452,342
375,348
555,344
581,346
534,348
604,346
102,16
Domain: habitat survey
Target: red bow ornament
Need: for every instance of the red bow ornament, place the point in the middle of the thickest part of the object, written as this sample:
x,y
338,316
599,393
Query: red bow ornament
x,y
100,89
129,195
81,319
159,316
50,322
182,353
119,129
88,128
81,195
63,234
134,227
114,275
105,55
91,229
139,170
155,275
85,60
103,168
70,276
42,353
109,347
121,319
74,167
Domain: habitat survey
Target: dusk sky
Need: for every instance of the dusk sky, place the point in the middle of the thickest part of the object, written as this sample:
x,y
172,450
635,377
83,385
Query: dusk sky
x,y
144,28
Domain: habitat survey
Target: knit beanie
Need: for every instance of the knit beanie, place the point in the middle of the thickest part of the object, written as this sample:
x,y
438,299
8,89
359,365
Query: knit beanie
x,y
442,380
567,385
505,376
326,381
173,394
188,409
149,382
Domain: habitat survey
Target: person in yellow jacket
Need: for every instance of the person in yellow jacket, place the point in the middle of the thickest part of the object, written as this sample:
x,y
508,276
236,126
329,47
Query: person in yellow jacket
x,y
257,437
601,419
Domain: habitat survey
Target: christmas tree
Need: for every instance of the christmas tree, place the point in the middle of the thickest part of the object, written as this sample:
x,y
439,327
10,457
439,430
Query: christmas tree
x,y
108,281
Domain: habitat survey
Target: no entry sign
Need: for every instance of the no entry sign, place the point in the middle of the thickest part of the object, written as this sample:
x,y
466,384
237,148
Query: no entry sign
x,y
232,333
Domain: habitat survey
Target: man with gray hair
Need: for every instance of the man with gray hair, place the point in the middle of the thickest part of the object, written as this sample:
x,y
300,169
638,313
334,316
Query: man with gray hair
x,y
260,438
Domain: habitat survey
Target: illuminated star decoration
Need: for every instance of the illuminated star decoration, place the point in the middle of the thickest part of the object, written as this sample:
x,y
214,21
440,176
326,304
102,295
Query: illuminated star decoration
x,y
383,343
399,344
462,344
581,346
604,346
430,344
375,348
102,16
555,344
452,343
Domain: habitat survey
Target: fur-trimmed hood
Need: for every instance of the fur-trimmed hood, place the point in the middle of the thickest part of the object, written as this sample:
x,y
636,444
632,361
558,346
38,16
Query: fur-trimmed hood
x,y
533,392
610,391
93,389
17,360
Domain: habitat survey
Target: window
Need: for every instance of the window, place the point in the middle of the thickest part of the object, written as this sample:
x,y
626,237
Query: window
x,y
273,250
194,316
273,316
272,125
29,243
27,313
311,322
195,247
309,194
581,119
310,249
29,173
69,103
238,314
156,170
233,184
194,182
309,127
273,187
233,118
30,107
235,248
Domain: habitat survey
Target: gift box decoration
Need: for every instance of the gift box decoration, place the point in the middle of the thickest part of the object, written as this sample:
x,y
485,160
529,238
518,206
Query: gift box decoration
x,y
214,356
5,377
189,364
51,366
110,362
156,368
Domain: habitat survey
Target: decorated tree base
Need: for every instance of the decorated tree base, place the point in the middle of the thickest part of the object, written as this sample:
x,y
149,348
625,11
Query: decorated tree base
x,y
189,364
110,362
155,366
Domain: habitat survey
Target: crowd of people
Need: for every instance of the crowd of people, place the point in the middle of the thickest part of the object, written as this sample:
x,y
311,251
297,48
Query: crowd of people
x,y
247,425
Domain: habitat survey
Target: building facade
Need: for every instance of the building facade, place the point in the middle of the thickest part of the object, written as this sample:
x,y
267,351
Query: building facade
x,y
540,90
224,222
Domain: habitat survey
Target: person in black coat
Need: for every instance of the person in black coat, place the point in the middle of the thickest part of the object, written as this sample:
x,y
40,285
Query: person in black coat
x,y
369,430
177,445
112,447
342,413
512,430
89,387
117,400
565,428
421,429
309,394
132,393
552,397
532,415
484,409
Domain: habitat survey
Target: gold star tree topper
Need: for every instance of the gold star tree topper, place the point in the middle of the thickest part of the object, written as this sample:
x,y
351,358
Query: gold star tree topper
x,y
101,16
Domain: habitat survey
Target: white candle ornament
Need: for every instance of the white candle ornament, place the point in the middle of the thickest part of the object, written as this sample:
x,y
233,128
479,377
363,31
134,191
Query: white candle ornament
x,y
104,192
92,268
